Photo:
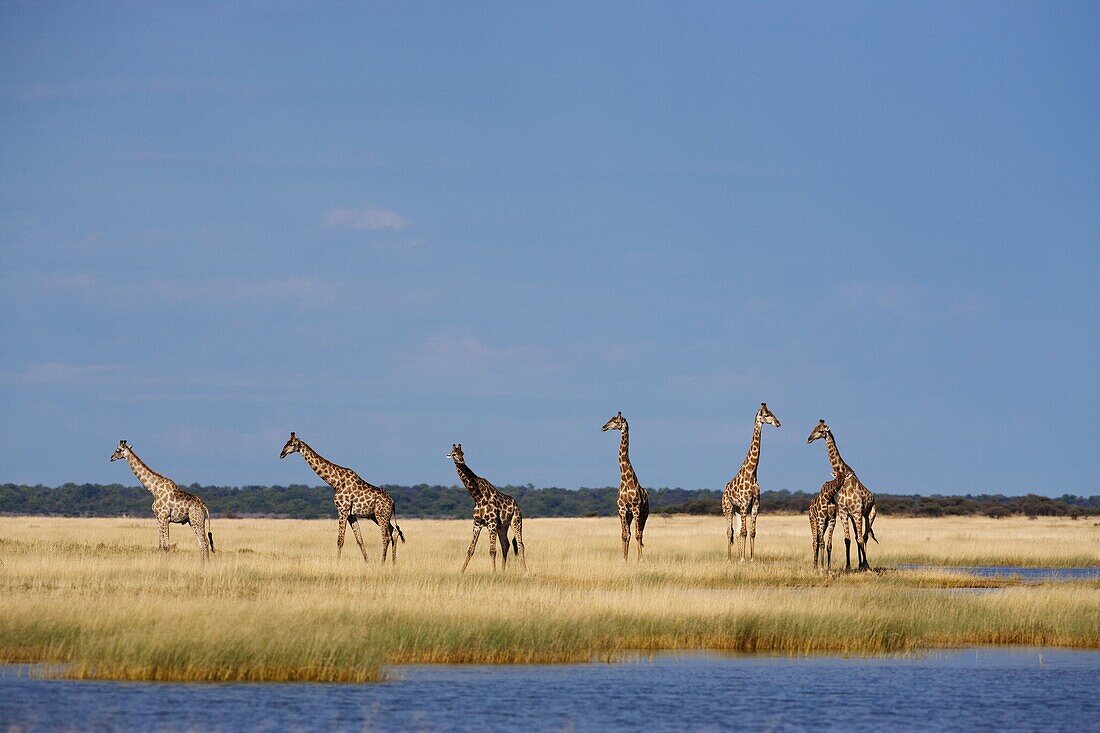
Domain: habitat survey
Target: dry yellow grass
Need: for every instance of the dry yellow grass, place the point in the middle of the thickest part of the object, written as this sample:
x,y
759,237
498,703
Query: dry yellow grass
x,y
274,604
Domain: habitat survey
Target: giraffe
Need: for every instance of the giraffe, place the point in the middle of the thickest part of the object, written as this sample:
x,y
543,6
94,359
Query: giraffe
x,y
855,503
493,509
822,515
355,499
742,493
633,500
171,505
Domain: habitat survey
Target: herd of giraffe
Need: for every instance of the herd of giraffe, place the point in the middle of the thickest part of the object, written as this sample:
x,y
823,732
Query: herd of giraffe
x,y
843,498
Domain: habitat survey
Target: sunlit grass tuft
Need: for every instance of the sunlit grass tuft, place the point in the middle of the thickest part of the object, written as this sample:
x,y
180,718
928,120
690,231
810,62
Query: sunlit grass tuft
x,y
275,605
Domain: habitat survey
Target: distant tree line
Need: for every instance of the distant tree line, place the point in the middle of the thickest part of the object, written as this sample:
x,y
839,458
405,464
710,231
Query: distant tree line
x,y
310,502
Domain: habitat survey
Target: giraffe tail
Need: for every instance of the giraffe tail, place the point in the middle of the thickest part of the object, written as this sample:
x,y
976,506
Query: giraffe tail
x,y
209,534
870,521
396,528
515,546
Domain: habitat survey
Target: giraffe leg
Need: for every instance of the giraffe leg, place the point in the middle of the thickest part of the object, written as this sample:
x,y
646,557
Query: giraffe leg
x,y
502,536
473,544
729,536
387,522
829,542
163,525
639,527
493,545
752,530
384,528
354,522
200,532
845,519
340,535
385,532
743,534
813,538
624,521
517,539
861,542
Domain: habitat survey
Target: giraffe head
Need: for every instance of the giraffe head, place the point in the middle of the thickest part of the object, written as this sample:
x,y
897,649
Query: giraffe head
x,y
615,423
456,454
122,451
820,432
764,415
292,446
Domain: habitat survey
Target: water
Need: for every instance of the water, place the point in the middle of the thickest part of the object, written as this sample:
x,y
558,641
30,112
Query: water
x,y
1015,571
1007,689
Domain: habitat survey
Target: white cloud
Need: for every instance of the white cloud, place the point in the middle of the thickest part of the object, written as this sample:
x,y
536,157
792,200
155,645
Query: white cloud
x,y
369,219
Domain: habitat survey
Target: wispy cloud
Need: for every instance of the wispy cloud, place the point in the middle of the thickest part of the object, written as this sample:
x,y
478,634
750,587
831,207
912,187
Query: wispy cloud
x,y
53,372
467,357
302,291
455,351
96,88
905,299
368,219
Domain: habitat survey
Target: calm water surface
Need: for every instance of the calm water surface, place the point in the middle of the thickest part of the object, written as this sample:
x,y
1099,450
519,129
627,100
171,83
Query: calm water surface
x,y
976,689
1016,571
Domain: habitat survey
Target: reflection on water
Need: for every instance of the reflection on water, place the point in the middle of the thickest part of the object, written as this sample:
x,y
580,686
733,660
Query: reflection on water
x,y
1009,689
1015,571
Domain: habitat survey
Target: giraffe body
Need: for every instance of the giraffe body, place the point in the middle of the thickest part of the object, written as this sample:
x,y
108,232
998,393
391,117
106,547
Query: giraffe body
x,y
492,509
354,498
855,503
171,504
741,496
633,500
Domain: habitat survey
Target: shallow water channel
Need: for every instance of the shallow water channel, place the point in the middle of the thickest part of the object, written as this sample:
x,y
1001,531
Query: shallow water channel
x,y
1017,572
987,688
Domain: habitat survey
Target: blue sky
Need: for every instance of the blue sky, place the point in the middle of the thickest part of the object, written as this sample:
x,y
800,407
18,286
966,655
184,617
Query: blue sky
x,y
397,226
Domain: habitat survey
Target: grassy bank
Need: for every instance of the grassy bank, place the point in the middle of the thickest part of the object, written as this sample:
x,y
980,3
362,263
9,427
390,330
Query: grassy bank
x,y
276,605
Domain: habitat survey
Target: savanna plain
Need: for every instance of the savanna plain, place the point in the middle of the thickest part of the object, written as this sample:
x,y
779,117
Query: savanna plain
x,y
94,598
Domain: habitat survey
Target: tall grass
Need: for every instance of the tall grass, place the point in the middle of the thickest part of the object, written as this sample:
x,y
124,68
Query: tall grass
x,y
275,604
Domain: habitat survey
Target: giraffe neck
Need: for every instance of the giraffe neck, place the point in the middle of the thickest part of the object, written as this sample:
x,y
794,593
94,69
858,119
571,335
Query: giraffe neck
x,y
752,460
626,471
829,490
145,475
320,465
469,480
839,466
